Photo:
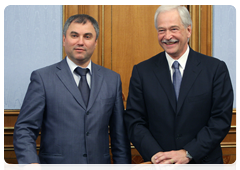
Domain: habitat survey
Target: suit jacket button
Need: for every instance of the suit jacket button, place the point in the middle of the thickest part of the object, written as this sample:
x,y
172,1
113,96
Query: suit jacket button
x,y
84,155
87,113
87,133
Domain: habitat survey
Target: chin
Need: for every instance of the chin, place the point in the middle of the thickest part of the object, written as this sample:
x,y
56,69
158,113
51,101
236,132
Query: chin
x,y
171,52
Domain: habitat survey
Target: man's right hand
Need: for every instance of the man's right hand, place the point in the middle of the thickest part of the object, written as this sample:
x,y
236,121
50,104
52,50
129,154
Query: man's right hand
x,y
155,157
33,166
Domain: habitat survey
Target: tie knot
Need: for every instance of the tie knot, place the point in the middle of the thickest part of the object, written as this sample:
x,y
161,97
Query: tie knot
x,y
175,65
81,71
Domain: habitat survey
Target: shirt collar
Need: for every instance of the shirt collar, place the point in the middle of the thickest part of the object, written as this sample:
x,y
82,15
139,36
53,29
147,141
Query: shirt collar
x,y
73,66
182,60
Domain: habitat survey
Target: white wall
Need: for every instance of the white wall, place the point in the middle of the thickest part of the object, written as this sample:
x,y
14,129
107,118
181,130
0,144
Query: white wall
x,y
32,39
224,39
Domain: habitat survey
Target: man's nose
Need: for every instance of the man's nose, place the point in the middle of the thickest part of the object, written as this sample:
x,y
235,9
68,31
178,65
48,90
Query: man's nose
x,y
168,35
80,40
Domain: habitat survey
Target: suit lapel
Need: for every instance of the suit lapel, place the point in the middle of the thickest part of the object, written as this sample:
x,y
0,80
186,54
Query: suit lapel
x,y
163,75
192,70
67,79
96,83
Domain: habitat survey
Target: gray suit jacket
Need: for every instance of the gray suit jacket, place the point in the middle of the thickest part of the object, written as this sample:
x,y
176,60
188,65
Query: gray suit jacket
x,y
70,132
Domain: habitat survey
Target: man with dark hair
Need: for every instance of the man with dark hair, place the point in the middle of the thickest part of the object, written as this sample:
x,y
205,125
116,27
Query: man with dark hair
x,y
75,103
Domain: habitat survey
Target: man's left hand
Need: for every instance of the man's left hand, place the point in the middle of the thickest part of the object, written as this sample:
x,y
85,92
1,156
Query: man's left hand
x,y
171,157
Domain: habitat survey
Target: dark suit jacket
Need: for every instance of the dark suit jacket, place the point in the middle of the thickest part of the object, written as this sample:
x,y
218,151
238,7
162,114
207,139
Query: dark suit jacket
x,y
197,122
70,132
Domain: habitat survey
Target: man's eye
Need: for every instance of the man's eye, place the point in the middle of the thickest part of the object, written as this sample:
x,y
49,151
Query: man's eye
x,y
88,36
74,36
160,31
174,29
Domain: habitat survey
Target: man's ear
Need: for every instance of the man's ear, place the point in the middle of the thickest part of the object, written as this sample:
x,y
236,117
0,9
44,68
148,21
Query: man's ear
x,y
64,40
189,31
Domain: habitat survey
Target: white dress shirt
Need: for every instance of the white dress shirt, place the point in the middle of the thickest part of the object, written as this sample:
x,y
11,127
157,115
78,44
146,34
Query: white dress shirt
x,y
182,62
77,77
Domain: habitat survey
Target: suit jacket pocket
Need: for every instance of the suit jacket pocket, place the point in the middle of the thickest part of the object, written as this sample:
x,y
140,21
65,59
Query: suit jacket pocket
x,y
50,158
198,98
108,100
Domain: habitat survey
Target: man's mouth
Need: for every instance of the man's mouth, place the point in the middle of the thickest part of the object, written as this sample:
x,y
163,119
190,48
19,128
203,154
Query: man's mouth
x,y
170,42
79,49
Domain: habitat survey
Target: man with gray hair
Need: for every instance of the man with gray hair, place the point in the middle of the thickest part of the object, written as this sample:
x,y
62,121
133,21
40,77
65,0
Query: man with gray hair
x,y
75,103
179,106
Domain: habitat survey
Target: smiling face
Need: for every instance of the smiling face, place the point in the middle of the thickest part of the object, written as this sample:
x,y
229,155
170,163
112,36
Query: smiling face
x,y
80,42
172,35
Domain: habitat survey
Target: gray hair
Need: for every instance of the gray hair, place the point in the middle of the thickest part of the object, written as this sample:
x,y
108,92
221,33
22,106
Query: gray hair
x,y
82,19
183,12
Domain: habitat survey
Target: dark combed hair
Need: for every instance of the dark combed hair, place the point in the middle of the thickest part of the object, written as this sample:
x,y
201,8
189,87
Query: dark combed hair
x,y
82,19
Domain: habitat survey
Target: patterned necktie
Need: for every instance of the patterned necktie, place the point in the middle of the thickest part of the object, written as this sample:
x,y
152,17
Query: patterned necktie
x,y
83,85
177,78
